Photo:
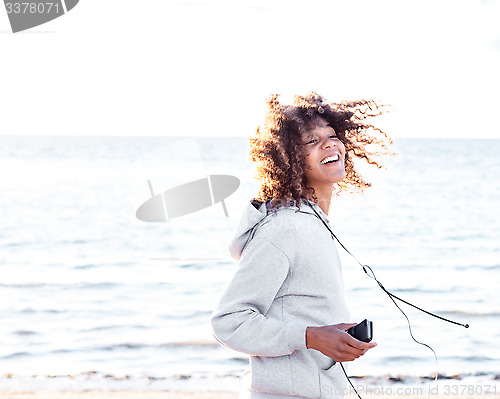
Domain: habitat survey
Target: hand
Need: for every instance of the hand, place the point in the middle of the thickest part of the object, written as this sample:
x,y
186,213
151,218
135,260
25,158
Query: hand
x,y
334,342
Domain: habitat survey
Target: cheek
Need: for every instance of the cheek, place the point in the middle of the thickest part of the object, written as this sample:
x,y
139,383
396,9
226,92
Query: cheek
x,y
307,160
342,148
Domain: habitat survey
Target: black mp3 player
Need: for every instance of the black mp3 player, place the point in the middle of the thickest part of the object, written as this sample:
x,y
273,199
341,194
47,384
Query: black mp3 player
x,y
362,331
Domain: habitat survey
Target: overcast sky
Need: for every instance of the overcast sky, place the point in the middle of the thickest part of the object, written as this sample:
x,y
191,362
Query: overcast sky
x,y
204,68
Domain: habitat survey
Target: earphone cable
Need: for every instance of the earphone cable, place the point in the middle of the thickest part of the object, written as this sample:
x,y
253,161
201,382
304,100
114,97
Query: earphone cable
x,y
348,379
391,296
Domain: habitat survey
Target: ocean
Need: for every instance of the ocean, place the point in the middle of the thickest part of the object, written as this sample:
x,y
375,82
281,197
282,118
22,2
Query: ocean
x,y
91,297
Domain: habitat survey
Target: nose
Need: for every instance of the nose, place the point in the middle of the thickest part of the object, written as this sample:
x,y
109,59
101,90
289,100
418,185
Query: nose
x,y
328,143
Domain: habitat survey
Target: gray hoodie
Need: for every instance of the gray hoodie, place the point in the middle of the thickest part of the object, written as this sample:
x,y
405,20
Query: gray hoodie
x,y
288,278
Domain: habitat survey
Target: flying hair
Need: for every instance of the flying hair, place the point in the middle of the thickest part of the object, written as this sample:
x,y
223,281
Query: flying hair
x,y
279,155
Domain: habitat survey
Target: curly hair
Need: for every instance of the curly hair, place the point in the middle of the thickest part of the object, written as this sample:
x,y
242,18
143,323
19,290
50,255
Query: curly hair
x,y
279,154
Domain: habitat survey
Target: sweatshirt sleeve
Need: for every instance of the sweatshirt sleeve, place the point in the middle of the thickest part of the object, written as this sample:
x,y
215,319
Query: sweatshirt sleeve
x,y
239,321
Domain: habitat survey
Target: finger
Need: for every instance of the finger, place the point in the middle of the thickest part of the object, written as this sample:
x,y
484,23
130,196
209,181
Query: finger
x,y
369,345
352,351
349,357
360,344
351,341
363,351
342,356
342,351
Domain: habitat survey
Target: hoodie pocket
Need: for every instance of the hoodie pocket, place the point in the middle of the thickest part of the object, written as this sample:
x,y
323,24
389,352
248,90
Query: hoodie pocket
x,y
270,375
332,382
305,374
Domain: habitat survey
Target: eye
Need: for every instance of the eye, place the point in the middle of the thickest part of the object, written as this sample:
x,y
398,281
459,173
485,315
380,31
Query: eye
x,y
311,141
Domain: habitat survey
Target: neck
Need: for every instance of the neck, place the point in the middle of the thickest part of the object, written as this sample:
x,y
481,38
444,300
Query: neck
x,y
324,198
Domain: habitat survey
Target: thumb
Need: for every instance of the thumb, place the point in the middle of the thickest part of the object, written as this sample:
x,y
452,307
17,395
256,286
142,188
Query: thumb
x,y
345,326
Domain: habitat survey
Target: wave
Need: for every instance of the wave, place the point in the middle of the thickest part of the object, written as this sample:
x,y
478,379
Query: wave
x,y
24,332
466,313
206,344
421,290
401,358
124,346
441,358
166,345
88,376
112,327
15,355
80,285
96,265
476,267
85,267
50,311
24,285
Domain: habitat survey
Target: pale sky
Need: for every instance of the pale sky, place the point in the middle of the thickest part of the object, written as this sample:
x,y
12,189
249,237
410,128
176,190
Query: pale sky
x,y
204,68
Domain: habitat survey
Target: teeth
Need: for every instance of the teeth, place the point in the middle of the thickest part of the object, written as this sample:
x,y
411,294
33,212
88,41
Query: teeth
x,y
332,158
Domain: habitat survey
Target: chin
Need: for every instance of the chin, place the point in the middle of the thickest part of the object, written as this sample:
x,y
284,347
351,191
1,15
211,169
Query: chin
x,y
339,178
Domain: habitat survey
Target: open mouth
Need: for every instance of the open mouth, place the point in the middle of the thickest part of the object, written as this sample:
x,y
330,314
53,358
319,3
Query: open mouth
x,y
330,160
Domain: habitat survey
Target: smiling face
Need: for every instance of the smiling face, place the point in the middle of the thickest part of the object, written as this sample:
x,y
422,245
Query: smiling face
x,y
325,155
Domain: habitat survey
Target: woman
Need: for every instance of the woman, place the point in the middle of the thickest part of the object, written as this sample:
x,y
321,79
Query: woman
x,y
284,305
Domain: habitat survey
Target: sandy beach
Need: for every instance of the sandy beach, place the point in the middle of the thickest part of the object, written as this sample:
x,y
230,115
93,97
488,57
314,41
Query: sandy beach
x,y
193,395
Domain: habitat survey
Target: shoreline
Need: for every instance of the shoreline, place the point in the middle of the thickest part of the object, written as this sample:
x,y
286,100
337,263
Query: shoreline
x,y
62,386
100,386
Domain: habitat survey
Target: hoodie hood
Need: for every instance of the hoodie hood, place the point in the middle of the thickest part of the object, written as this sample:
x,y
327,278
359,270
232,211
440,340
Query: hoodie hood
x,y
254,215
